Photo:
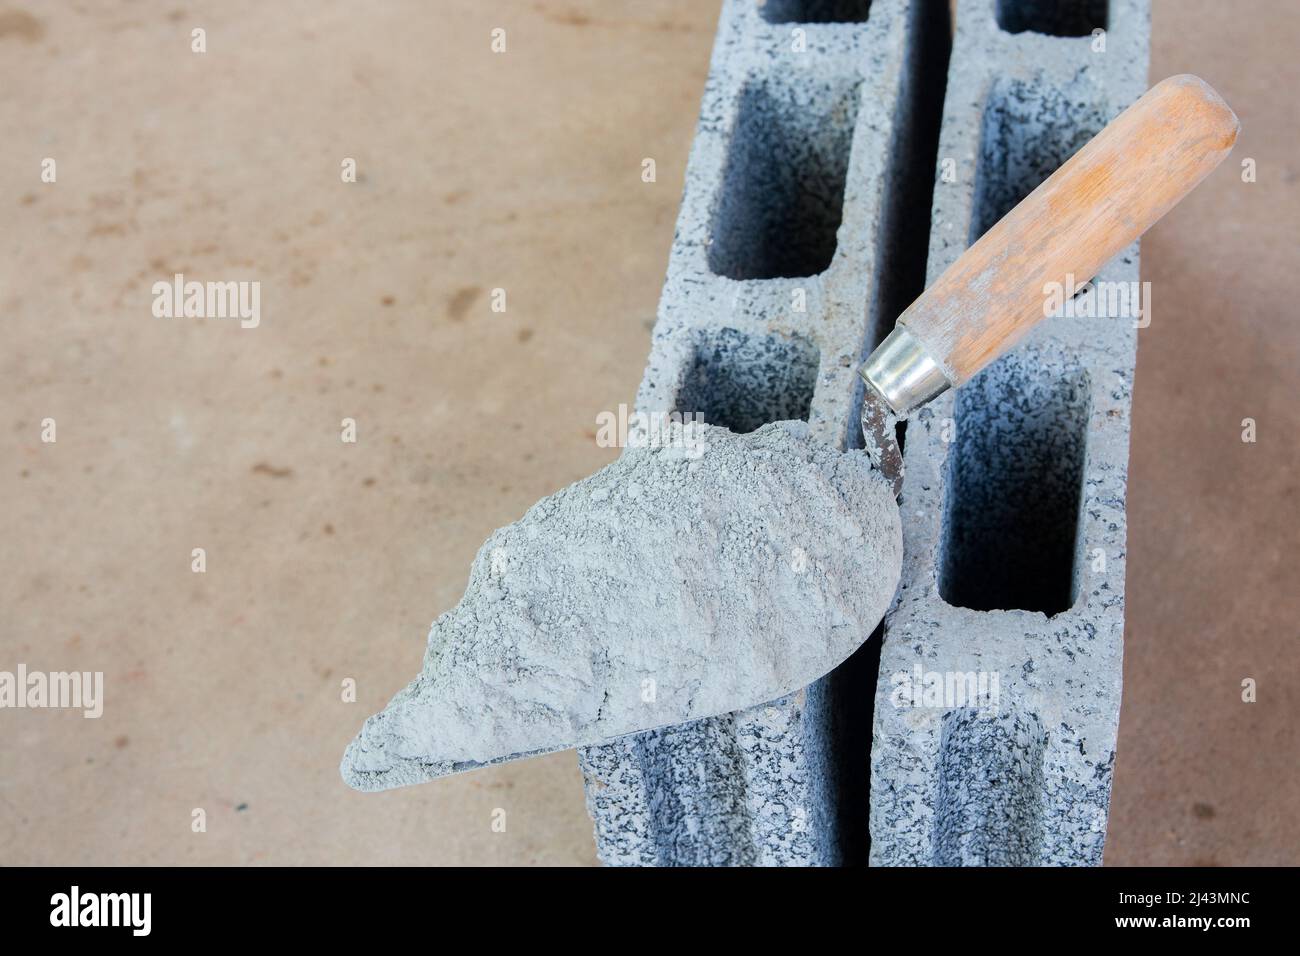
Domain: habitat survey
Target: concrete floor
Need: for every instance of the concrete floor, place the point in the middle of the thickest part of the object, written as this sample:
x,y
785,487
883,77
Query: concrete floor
x,y
326,561
1214,540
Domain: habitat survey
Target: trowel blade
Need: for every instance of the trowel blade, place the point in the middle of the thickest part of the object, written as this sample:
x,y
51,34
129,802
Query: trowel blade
x,y
880,437
670,586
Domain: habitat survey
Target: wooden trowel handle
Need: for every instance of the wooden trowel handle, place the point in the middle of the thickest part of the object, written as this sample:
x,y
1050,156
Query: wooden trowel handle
x,y
1104,197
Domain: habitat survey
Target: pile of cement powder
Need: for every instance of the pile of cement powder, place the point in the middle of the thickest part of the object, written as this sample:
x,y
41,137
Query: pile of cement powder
x,y
667,587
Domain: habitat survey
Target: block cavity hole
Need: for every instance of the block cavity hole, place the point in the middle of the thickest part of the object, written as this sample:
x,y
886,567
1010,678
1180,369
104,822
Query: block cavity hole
x,y
990,790
814,11
783,183
1058,18
1029,129
1014,479
741,381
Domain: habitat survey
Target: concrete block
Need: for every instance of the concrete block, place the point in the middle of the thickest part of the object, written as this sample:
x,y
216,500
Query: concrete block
x,y
802,186
1013,506
1014,498
788,262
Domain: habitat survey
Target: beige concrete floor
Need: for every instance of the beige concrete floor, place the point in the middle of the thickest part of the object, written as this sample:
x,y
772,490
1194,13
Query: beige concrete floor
x,y
326,561
1214,523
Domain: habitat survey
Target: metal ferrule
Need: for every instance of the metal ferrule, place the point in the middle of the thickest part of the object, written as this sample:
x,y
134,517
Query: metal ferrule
x,y
903,372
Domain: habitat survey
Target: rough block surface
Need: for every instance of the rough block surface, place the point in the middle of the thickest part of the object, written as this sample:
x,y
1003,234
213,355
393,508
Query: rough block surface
x,y
1013,507
1014,497
777,287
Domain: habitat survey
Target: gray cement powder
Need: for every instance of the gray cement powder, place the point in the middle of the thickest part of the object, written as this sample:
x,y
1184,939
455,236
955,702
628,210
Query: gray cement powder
x,y
669,586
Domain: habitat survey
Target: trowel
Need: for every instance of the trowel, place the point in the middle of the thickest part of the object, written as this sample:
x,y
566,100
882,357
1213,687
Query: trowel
x,y
689,581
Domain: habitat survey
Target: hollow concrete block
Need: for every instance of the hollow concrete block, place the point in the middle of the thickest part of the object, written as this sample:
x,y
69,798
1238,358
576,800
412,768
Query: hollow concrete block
x,y
778,283
1014,496
796,247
